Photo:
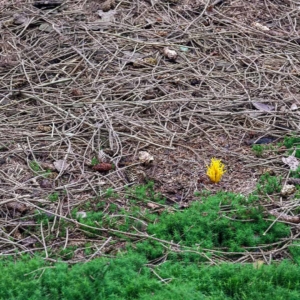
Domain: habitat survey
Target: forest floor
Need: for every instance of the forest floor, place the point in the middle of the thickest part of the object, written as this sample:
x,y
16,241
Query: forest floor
x,y
99,98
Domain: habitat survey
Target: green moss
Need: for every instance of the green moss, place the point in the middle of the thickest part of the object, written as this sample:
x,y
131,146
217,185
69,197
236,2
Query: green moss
x,y
35,166
144,193
67,253
207,224
128,277
292,142
53,197
294,250
269,184
258,150
110,193
94,161
150,269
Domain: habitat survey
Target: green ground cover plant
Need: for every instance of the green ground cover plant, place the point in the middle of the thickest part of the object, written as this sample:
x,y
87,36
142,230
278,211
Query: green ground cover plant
x,y
53,197
269,184
292,143
128,277
153,268
94,161
36,168
223,221
259,150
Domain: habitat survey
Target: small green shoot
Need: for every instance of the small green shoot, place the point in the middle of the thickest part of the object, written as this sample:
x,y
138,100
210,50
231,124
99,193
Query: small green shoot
x,y
47,174
269,184
292,143
94,161
110,193
296,173
53,197
258,150
35,166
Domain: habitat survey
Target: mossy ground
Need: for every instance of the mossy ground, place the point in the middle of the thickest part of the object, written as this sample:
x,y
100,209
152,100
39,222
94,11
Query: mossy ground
x,y
186,256
129,277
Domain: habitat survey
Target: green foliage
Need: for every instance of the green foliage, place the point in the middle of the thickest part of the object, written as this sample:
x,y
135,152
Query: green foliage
x,y
294,250
292,142
35,166
113,207
151,249
94,161
94,219
128,277
205,224
258,150
224,221
144,193
88,249
42,217
253,197
67,253
110,193
269,184
47,173
296,173
202,193
141,192
53,197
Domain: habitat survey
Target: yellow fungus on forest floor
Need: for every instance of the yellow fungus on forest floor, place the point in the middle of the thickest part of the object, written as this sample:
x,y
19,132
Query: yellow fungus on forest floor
x,y
215,170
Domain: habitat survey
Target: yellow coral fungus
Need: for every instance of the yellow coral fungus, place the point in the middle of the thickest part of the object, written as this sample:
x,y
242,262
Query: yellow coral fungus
x,y
215,170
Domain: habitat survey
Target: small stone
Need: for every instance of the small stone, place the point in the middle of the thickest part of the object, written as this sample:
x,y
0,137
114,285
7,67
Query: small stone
x,y
19,19
107,5
46,184
81,214
288,190
61,165
170,54
294,106
145,157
